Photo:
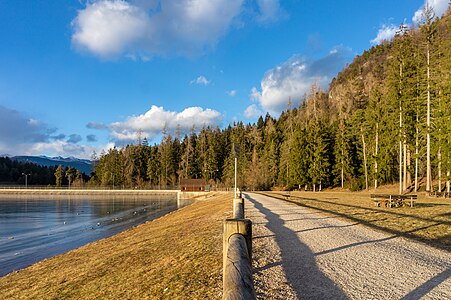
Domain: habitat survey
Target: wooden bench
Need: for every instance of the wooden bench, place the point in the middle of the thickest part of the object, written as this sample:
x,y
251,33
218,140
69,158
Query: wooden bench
x,y
390,200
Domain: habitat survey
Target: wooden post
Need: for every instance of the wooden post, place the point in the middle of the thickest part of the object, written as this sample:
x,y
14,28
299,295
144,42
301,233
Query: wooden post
x,y
238,208
240,226
238,283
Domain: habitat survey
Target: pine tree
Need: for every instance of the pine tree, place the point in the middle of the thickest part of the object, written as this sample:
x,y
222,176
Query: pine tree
x,y
59,173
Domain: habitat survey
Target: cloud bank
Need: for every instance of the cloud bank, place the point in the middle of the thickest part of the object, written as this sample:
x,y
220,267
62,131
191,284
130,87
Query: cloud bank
x,y
140,29
108,28
157,119
293,79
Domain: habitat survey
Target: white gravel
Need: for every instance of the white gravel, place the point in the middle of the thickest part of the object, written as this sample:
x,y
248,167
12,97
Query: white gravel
x,y
300,253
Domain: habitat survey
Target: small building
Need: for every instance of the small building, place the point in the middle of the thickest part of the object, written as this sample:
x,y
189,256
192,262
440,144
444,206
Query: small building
x,y
193,185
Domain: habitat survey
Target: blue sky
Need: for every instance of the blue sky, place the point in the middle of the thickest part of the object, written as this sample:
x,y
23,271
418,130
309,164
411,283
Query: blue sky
x,y
78,76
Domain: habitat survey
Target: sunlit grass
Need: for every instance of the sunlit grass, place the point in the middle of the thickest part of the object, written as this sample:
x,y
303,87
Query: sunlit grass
x,y
429,221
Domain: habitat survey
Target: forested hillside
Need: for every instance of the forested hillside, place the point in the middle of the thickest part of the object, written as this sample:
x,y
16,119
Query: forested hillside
x,y
12,172
384,119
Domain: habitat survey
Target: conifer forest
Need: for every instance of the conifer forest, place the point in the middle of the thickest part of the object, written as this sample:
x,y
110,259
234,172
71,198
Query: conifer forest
x,y
384,119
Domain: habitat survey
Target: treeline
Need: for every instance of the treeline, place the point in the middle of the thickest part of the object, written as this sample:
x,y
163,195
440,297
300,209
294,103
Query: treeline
x,y
385,119
12,172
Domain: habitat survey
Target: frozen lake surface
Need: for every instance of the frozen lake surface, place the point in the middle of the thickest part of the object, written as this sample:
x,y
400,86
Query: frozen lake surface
x,y
34,228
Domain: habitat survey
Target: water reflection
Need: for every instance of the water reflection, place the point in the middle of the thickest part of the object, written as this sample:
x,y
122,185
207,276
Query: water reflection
x,y
34,228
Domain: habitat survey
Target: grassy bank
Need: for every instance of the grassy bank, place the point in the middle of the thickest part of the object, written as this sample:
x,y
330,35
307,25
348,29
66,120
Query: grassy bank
x,y
429,221
178,256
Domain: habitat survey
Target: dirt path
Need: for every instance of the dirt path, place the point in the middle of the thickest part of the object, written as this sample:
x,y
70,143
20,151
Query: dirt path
x,y
300,253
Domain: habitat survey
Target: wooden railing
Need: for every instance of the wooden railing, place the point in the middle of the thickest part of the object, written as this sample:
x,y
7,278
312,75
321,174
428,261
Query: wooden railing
x,y
237,255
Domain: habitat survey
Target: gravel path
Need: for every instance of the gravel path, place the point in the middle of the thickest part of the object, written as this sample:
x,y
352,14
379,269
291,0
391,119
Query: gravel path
x,y
300,253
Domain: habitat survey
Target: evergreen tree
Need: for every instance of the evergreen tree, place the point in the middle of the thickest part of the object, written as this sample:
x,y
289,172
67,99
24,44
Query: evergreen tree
x,y
59,173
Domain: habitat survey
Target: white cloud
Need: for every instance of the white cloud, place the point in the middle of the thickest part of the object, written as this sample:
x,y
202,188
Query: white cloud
x,y
157,118
200,80
269,11
252,111
385,33
231,93
293,79
255,94
388,31
62,148
438,6
108,28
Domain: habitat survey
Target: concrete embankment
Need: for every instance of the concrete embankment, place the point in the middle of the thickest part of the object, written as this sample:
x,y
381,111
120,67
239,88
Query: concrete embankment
x,y
178,256
5,192
75,191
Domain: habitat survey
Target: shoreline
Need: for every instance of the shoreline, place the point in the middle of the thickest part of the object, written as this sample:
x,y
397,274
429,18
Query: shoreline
x,y
180,195
76,191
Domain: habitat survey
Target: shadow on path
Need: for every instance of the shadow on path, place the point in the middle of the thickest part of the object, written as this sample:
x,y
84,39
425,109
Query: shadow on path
x,y
426,287
298,261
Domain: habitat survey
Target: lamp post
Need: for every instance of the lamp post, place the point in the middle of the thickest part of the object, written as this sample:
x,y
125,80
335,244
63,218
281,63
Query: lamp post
x,y
26,179
236,153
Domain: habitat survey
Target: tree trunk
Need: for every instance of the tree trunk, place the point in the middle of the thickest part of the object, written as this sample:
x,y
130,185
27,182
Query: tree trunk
x,y
439,157
404,181
447,182
409,175
364,160
428,124
447,174
342,174
416,156
400,132
400,149
375,154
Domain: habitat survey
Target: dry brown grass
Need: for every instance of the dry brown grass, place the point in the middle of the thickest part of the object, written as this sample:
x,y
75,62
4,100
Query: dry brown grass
x,y
429,221
178,256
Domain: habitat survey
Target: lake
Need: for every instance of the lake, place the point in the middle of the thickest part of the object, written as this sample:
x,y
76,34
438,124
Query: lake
x,y
33,228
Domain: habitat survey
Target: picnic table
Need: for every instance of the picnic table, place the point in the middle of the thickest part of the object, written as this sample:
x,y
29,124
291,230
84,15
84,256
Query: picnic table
x,y
392,200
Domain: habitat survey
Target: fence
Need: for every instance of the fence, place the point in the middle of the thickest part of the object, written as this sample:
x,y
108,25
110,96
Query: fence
x,y
237,255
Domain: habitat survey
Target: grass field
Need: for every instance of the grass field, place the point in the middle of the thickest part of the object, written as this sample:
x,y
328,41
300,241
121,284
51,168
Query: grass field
x,y
429,221
178,256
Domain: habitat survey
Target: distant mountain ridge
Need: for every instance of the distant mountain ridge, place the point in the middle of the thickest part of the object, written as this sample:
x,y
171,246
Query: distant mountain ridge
x,y
84,165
